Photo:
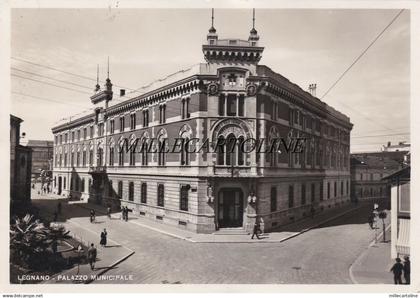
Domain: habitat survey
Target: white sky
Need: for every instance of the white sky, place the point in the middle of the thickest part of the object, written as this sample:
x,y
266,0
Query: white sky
x,y
306,46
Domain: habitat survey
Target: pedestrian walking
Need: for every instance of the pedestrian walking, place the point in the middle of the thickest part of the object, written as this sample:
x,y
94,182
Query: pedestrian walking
x,y
312,211
407,269
92,215
103,238
256,230
397,270
92,254
126,213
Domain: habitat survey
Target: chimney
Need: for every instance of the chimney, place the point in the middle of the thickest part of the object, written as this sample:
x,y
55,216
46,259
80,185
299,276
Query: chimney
x,y
312,89
122,92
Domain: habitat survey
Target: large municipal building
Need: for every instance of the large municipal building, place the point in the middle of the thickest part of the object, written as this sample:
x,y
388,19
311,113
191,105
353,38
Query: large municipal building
x,y
228,96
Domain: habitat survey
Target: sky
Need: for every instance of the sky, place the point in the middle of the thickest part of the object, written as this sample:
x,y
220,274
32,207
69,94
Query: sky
x,y
304,45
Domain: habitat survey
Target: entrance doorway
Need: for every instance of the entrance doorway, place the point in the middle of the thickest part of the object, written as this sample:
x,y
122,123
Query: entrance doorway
x,y
230,208
59,186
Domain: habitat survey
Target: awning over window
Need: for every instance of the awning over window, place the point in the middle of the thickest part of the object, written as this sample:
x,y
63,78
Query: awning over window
x,y
403,239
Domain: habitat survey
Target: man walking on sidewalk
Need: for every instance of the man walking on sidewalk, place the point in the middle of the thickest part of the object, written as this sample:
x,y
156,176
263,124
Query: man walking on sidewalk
x,y
397,269
92,253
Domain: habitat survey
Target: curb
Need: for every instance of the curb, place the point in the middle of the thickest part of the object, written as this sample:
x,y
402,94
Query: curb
x,y
110,267
251,242
352,278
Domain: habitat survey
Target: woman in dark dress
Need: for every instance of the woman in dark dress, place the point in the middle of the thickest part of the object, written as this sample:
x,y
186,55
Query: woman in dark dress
x,y
103,238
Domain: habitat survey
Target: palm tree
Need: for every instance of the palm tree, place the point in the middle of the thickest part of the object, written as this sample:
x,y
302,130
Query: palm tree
x,y
27,238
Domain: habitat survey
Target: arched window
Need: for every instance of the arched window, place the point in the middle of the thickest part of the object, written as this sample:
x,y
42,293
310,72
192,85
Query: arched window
x,y
144,144
221,151
185,135
231,150
132,153
162,147
121,154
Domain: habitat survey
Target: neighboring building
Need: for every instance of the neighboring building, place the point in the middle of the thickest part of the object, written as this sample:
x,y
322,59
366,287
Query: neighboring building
x,y
400,212
230,96
401,146
42,156
20,166
367,171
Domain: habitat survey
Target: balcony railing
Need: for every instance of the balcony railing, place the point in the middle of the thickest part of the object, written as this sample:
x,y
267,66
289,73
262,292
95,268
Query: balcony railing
x,y
97,170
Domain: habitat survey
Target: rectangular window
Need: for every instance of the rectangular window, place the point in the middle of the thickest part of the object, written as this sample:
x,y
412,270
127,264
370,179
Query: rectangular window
x,y
84,158
162,114
342,188
122,123
303,193
241,105
273,199
335,189
78,135
85,133
143,198
328,191
291,196
231,105
183,198
347,187
112,126
120,189
221,105
100,129
131,191
145,118
161,195
72,136
111,156
133,121
65,138
91,131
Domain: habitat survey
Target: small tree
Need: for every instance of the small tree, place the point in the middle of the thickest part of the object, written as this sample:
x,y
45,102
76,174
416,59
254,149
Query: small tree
x,y
382,215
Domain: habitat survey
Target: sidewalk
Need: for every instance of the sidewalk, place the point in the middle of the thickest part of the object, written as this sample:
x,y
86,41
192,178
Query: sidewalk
x,y
373,265
108,257
288,231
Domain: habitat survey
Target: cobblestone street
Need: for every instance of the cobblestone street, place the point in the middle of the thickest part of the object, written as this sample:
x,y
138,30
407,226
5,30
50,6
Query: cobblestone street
x,y
321,255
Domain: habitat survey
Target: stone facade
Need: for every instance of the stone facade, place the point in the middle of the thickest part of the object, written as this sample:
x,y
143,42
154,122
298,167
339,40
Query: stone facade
x,y
20,166
42,155
367,171
230,96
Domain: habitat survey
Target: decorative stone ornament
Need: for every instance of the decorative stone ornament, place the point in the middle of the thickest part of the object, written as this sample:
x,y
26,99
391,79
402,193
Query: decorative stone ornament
x,y
213,88
251,89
